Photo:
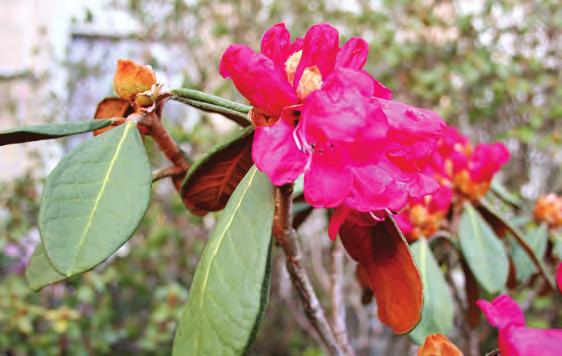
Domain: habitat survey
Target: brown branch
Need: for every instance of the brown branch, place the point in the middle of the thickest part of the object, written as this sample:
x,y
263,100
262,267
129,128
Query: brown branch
x,y
336,294
286,236
165,142
172,171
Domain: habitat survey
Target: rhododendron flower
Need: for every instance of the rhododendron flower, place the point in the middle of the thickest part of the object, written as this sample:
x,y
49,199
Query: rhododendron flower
x,y
320,114
424,216
438,345
514,338
469,168
548,209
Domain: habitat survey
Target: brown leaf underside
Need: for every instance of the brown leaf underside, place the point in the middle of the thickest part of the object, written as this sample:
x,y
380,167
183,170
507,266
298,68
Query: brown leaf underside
x,y
110,108
392,274
210,187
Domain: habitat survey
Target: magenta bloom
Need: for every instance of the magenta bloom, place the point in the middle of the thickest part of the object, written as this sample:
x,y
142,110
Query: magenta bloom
x,y
424,216
326,117
455,154
514,338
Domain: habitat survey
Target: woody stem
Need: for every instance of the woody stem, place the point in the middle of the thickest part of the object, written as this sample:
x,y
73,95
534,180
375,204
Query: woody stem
x,y
287,238
165,142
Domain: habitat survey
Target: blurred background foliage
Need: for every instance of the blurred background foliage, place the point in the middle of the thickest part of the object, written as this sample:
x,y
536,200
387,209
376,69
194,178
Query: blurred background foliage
x,y
490,67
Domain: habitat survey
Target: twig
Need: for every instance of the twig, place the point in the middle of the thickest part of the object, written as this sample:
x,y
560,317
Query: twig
x,y
336,294
167,145
172,171
286,236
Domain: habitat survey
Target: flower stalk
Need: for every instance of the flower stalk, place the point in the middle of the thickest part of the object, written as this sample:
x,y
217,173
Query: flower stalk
x,y
287,238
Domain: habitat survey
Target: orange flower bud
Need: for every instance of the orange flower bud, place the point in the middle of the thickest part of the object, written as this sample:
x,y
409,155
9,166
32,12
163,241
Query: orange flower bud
x,y
549,209
438,345
131,79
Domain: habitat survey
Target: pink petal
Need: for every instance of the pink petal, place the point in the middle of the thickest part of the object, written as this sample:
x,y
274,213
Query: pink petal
x,y
320,48
521,341
487,160
276,44
403,222
338,217
380,91
450,138
258,78
421,185
353,54
413,132
378,187
328,181
441,200
502,312
343,79
297,44
341,111
275,153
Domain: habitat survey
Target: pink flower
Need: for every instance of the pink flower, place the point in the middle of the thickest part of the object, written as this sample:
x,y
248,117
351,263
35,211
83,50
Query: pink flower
x,y
424,216
469,169
514,338
324,116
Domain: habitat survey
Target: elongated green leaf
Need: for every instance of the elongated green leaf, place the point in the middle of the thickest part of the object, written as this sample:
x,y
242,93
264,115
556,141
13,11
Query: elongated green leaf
x,y
94,199
505,195
437,311
200,96
39,272
483,251
210,182
230,287
501,223
524,266
48,131
236,116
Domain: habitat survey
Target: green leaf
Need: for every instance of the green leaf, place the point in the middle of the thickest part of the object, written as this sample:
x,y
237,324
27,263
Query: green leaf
x,y
48,131
229,292
94,199
504,194
203,97
483,251
437,311
210,182
537,239
557,244
39,272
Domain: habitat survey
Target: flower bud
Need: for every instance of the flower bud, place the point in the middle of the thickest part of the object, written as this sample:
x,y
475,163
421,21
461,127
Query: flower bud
x,y
131,79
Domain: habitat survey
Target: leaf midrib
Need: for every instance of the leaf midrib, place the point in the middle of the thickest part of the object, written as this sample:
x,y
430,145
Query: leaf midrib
x,y
100,194
222,235
215,251
229,172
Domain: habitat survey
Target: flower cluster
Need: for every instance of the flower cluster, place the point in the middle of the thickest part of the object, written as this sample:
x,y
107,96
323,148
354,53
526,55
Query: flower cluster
x,y
317,112
461,170
467,168
424,216
514,337
548,209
